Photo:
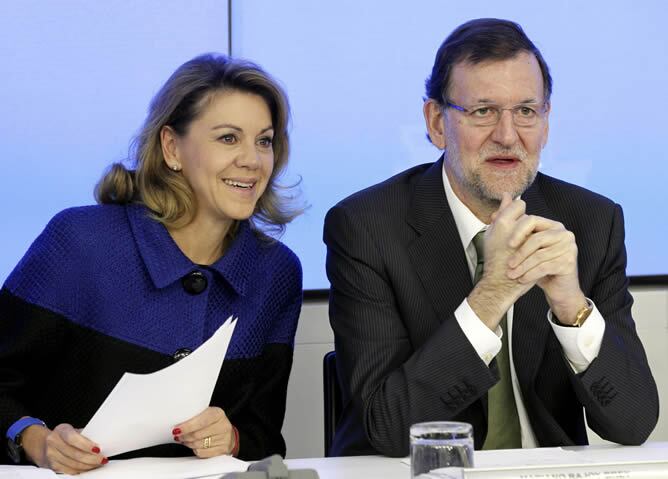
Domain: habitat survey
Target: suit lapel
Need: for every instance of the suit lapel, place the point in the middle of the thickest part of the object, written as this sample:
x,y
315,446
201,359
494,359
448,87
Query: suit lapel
x,y
530,326
437,253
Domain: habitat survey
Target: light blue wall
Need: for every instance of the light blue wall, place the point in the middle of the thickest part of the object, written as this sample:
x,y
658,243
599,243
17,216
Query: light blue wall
x,y
76,78
355,73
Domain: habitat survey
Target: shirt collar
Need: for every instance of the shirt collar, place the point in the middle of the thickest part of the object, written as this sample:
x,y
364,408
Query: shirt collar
x,y
166,263
468,224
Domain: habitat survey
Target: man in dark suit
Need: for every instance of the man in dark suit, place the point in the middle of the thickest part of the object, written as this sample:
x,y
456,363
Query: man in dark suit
x,y
476,289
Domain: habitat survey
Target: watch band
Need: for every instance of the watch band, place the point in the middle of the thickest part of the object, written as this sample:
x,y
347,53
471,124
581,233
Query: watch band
x,y
14,441
18,427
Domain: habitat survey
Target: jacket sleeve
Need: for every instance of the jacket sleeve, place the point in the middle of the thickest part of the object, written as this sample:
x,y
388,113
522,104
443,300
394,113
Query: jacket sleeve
x,y
31,335
260,420
392,382
617,389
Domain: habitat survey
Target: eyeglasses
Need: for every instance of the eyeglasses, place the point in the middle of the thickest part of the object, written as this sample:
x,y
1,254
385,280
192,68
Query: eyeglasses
x,y
525,115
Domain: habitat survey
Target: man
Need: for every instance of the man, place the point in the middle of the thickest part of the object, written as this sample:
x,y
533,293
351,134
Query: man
x,y
476,289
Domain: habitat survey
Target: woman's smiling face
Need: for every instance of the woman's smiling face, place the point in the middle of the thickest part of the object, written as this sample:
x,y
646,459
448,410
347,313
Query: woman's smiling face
x,y
226,156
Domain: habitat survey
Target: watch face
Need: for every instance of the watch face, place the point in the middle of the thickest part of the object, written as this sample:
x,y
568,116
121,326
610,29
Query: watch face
x,y
14,451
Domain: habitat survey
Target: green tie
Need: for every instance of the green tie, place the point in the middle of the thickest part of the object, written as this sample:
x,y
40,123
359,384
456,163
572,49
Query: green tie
x,y
503,426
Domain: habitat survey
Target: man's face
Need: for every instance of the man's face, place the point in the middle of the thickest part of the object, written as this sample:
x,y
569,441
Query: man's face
x,y
483,162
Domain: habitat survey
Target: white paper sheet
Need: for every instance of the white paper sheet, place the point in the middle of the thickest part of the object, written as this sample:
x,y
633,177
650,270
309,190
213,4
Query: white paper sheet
x,y
143,408
165,468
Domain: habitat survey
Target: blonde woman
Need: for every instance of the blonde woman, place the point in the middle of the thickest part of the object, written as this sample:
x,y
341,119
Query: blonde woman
x,y
175,246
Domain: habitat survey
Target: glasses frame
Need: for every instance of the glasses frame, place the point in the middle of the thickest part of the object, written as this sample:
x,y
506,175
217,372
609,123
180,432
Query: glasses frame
x,y
540,112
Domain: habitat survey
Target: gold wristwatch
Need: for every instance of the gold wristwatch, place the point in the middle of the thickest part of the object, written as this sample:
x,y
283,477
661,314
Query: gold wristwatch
x,y
582,315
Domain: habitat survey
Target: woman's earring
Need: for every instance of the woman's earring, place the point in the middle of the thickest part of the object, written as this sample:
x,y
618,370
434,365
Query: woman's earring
x,y
176,168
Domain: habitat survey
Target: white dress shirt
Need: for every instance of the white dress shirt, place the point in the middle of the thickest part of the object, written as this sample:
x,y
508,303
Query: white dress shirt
x,y
580,345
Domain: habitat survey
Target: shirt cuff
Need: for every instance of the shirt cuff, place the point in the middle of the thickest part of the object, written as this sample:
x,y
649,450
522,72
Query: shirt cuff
x,y
581,345
486,342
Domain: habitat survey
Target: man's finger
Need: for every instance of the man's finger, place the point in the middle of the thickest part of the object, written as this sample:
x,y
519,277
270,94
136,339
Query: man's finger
x,y
528,225
541,255
511,212
533,244
506,199
554,267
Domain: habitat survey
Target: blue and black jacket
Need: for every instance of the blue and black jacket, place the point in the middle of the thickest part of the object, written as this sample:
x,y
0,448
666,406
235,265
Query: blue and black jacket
x,y
105,290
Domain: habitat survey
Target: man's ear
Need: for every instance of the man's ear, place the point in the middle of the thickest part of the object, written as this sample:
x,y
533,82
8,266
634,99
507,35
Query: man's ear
x,y
433,118
546,127
170,150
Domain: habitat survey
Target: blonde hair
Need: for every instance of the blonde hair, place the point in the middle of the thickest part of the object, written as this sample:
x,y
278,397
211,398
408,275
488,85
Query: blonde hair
x,y
178,103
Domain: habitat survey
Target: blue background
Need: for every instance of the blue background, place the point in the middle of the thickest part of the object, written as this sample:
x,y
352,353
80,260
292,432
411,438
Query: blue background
x,y
77,77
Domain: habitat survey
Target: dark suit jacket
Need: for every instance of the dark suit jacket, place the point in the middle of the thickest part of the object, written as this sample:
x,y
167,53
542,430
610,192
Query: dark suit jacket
x,y
398,271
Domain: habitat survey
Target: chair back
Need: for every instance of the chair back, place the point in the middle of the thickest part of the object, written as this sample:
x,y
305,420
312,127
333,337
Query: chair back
x,y
332,396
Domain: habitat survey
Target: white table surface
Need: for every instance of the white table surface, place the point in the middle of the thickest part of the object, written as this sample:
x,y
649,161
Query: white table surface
x,y
354,467
362,467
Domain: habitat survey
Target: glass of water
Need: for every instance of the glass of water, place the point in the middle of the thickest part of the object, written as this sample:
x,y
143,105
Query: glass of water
x,y
441,449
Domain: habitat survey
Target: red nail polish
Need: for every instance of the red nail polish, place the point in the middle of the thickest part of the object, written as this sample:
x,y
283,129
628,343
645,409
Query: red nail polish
x,y
95,450
176,431
176,438
104,460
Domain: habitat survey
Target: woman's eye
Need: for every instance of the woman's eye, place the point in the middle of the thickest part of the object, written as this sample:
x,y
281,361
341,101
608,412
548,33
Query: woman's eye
x,y
229,139
266,142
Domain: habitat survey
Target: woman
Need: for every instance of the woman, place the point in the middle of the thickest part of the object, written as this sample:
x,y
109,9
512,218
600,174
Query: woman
x,y
132,284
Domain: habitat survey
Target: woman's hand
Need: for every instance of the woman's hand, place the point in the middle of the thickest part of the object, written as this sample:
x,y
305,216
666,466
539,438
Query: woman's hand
x,y
62,449
208,434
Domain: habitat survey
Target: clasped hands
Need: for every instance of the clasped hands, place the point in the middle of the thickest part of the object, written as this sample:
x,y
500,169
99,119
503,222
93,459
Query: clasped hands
x,y
522,251
65,450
